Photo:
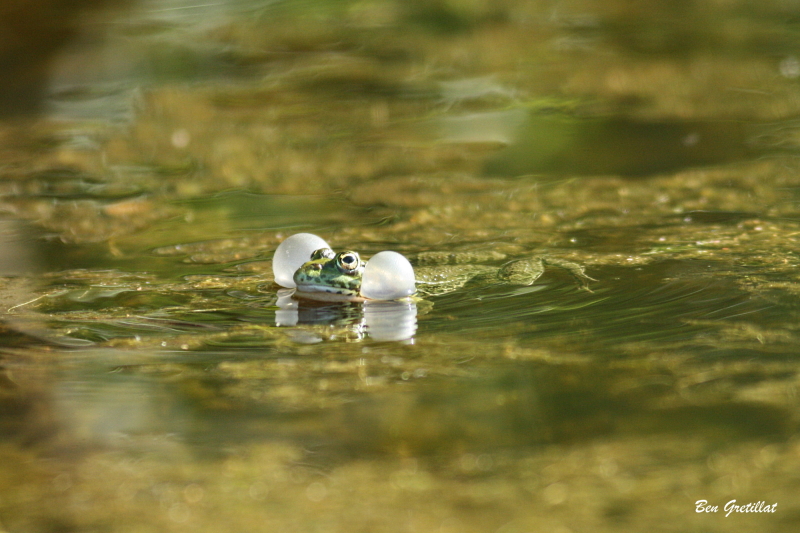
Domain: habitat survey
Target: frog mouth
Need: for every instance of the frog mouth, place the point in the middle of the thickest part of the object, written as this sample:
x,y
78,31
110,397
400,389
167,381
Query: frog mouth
x,y
315,287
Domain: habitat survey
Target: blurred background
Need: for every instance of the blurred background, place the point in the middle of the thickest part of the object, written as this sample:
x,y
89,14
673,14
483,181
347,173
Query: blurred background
x,y
154,153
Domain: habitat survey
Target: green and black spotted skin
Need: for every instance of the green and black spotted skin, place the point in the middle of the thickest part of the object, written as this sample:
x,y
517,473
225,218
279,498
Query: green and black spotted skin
x,y
330,272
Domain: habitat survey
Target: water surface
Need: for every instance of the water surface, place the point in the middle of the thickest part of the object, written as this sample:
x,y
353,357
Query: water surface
x,y
152,380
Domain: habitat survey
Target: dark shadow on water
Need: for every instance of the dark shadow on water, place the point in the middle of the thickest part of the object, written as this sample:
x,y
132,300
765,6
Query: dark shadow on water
x,y
529,404
563,145
34,32
515,405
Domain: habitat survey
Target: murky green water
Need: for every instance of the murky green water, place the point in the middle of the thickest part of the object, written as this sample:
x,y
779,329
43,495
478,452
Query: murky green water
x,y
152,380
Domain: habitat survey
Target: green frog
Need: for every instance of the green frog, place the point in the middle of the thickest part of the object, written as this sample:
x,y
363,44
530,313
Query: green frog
x,y
327,272
331,276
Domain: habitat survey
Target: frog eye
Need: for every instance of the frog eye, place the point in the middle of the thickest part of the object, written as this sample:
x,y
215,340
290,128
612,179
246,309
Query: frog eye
x,y
348,261
322,253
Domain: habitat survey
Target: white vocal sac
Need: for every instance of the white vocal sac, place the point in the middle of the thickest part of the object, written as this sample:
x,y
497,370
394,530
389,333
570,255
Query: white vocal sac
x,y
387,276
292,254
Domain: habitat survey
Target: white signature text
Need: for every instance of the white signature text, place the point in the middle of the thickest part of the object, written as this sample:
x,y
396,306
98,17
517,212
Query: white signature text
x,y
702,506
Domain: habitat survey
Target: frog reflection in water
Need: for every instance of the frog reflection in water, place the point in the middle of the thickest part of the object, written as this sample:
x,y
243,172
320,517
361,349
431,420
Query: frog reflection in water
x,y
339,275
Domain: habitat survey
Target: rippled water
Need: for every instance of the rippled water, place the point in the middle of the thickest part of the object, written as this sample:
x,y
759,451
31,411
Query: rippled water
x,y
154,378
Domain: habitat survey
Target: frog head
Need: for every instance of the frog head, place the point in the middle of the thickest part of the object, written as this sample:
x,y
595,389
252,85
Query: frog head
x,y
330,272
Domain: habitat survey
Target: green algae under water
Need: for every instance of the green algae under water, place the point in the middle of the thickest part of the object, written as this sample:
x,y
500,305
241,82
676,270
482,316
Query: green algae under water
x,y
150,382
